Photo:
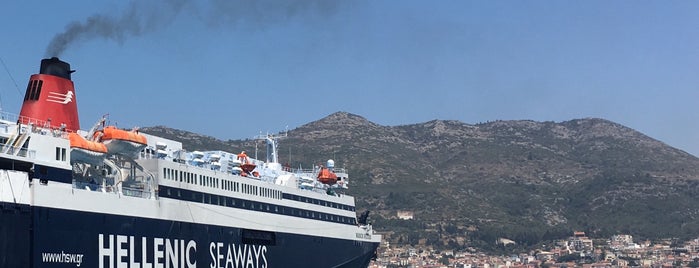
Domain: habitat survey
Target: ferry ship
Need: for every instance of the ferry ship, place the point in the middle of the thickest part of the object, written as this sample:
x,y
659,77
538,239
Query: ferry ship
x,y
108,197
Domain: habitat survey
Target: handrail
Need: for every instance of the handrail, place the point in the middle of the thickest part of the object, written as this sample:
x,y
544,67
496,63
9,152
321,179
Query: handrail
x,y
7,116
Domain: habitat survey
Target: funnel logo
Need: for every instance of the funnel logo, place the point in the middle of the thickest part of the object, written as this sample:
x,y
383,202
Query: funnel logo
x,y
60,98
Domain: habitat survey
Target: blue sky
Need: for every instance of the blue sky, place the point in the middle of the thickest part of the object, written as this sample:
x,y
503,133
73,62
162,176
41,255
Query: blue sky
x,y
233,69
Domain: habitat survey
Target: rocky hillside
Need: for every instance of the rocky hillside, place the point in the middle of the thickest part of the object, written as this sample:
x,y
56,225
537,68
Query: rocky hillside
x,y
525,180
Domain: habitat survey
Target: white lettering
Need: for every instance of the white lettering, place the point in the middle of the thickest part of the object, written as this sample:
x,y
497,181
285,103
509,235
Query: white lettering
x,y
212,246
240,255
132,262
106,251
144,254
250,263
121,251
171,254
264,257
191,254
157,252
62,257
257,250
237,256
219,257
229,257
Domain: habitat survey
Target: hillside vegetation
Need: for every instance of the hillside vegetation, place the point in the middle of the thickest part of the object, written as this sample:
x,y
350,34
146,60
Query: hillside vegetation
x,y
470,184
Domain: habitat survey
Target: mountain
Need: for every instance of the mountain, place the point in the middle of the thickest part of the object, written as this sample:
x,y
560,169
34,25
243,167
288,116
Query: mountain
x,y
468,184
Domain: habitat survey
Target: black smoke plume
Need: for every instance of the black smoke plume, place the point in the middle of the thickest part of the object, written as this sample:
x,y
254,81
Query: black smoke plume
x,y
143,17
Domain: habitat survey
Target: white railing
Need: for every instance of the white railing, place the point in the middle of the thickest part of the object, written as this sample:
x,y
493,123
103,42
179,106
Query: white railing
x,y
11,117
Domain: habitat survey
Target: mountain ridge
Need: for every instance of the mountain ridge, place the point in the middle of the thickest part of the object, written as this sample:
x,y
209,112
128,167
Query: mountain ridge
x,y
521,179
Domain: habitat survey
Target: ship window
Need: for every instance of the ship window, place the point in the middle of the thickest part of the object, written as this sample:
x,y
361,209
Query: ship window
x,y
26,93
258,237
38,89
34,95
58,153
63,154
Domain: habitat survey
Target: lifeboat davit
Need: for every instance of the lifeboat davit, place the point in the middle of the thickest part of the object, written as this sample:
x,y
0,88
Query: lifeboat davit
x,y
123,142
326,176
84,151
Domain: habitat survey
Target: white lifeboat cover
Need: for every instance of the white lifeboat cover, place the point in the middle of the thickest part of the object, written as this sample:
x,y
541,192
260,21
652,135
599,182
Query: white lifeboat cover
x,y
288,180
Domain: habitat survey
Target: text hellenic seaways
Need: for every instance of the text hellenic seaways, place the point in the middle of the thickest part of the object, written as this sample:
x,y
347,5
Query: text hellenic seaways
x,y
119,251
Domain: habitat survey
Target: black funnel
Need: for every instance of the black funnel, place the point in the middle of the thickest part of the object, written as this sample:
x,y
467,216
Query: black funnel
x,y
55,67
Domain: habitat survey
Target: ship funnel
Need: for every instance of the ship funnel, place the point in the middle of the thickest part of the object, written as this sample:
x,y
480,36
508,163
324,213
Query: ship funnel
x,y
50,97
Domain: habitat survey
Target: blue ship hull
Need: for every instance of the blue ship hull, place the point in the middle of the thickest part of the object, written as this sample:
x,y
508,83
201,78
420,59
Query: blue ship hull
x,y
50,237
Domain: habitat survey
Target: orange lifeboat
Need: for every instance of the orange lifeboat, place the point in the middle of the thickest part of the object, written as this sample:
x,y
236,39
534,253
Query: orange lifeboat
x,y
122,142
248,168
326,176
82,150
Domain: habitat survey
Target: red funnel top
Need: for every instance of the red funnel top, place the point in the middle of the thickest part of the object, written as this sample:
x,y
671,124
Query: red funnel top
x,y
50,97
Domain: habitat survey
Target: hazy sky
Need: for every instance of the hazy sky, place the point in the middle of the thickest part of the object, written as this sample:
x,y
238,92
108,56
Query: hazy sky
x,y
231,69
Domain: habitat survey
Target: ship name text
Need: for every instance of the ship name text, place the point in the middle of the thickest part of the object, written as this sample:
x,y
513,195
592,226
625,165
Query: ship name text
x,y
234,256
119,251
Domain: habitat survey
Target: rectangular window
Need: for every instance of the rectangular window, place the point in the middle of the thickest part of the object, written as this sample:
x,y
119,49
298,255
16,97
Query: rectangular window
x,y
38,89
35,85
58,153
26,93
63,154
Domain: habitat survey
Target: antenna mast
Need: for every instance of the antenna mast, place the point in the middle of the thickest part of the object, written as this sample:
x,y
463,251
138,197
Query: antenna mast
x,y
271,140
